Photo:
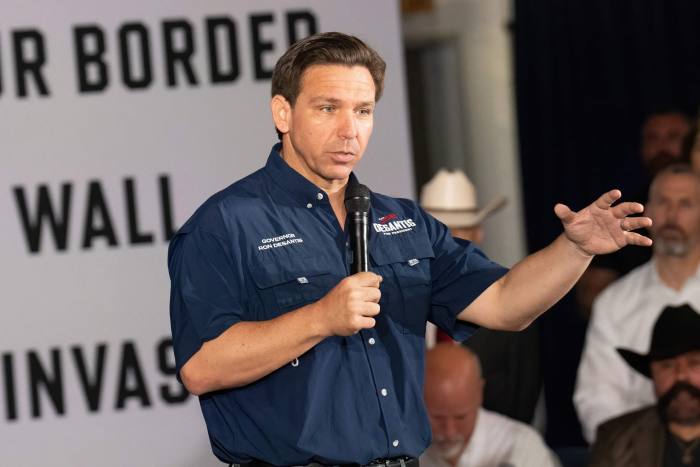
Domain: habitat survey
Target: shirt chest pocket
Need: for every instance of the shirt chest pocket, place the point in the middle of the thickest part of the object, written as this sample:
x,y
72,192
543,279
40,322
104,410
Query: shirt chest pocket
x,y
287,285
407,267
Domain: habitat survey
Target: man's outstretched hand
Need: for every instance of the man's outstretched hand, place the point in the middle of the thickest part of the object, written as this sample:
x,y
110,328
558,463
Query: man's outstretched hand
x,y
602,228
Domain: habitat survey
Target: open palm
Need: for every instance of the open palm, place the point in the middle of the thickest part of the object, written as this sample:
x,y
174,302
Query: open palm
x,y
601,228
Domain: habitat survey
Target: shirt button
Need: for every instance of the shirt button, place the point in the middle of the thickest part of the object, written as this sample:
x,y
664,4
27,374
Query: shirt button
x,y
319,196
309,205
395,443
371,341
384,392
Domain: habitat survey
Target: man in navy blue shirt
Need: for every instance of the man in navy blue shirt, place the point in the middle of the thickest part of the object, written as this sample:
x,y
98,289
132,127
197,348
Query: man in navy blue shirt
x,y
297,361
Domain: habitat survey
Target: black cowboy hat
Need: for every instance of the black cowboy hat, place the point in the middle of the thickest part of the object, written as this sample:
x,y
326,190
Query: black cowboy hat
x,y
676,331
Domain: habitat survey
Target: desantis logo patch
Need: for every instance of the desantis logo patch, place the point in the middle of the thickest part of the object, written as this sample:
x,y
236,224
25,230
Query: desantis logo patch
x,y
392,225
387,218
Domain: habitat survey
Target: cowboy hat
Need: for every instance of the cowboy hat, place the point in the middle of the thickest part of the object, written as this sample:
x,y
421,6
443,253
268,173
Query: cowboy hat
x,y
451,198
676,331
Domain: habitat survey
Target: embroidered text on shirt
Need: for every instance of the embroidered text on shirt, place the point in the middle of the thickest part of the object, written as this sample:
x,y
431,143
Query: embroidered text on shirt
x,y
276,242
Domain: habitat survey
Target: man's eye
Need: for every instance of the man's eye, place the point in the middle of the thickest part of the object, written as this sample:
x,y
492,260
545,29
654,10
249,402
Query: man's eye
x,y
327,108
365,111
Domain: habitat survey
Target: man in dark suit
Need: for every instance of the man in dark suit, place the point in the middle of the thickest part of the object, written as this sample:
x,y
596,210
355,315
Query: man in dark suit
x,y
666,434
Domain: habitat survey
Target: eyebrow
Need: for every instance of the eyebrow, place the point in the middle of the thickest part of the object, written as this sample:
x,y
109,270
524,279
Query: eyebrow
x,y
333,100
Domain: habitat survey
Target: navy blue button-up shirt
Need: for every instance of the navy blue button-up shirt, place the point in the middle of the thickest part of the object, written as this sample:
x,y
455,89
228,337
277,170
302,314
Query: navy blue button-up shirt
x,y
270,243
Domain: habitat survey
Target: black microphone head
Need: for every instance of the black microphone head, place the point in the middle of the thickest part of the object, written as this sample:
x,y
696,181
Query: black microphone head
x,y
357,198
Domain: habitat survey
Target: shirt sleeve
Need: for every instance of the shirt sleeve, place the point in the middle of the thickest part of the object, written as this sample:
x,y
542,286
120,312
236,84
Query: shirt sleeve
x,y
530,449
460,273
206,293
602,387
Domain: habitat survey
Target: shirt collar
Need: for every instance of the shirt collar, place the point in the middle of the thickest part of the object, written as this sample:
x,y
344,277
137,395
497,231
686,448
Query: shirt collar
x,y
654,278
292,182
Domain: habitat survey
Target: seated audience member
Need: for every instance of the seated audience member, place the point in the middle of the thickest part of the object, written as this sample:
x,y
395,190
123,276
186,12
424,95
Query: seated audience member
x,y
691,146
510,361
464,434
624,313
666,434
661,144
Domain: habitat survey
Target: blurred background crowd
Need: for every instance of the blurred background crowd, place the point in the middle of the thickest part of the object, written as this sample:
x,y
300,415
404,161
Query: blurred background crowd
x,y
606,96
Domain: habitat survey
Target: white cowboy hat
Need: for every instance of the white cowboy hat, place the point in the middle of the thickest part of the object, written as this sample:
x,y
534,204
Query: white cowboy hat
x,y
451,198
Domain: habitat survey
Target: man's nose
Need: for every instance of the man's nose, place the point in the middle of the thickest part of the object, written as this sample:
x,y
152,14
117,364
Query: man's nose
x,y
450,428
671,213
681,371
347,127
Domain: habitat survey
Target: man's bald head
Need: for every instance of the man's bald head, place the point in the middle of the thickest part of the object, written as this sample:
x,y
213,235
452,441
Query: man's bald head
x,y
449,364
453,396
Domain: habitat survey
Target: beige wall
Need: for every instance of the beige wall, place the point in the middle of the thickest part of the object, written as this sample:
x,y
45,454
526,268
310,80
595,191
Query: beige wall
x,y
489,124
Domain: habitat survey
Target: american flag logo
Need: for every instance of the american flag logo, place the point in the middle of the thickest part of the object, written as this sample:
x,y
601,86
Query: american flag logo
x,y
387,218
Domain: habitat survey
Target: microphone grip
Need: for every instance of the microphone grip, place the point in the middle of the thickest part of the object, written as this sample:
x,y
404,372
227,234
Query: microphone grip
x,y
360,228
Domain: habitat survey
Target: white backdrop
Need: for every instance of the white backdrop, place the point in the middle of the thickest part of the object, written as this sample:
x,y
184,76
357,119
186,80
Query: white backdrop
x,y
92,182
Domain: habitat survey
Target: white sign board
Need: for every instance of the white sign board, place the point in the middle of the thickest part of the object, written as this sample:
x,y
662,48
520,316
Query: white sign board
x,y
117,119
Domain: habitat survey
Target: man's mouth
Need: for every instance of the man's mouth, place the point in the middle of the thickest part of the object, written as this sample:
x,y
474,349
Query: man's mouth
x,y
343,156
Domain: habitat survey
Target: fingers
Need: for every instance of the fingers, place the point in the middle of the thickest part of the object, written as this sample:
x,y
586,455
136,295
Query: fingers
x,y
367,279
634,223
563,212
366,323
607,199
370,309
633,238
366,300
626,209
364,286
371,294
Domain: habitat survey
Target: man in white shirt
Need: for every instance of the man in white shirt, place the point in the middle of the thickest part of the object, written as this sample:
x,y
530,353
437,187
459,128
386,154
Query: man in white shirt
x,y
464,434
624,314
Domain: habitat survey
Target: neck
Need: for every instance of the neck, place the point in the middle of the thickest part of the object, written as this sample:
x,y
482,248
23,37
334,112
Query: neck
x,y
455,460
685,432
334,188
337,200
675,270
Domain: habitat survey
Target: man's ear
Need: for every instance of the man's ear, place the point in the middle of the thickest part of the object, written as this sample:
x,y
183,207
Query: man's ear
x,y
281,113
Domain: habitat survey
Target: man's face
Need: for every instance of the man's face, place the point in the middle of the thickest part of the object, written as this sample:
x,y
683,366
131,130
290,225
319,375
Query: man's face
x,y
677,385
662,140
674,206
328,128
453,411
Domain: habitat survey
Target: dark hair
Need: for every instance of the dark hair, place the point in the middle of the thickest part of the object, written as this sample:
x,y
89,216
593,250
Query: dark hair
x,y
668,110
676,168
328,48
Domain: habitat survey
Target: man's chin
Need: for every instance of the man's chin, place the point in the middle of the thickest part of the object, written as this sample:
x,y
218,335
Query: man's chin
x,y
681,404
450,450
684,410
671,247
338,171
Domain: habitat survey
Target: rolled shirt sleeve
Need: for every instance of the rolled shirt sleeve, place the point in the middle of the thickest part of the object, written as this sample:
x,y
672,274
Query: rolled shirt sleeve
x,y
460,273
206,293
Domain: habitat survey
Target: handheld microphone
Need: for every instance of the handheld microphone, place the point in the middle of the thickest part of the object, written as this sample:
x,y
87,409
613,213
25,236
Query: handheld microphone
x,y
357,201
